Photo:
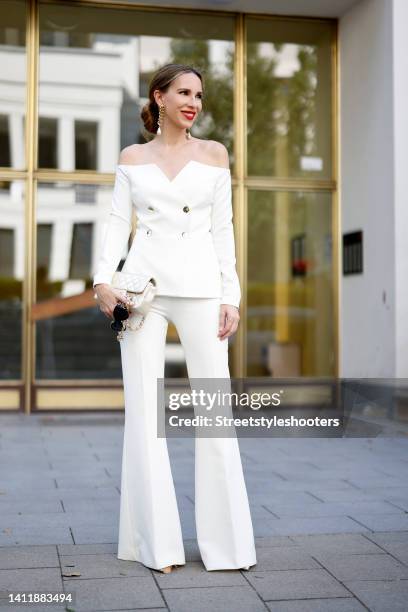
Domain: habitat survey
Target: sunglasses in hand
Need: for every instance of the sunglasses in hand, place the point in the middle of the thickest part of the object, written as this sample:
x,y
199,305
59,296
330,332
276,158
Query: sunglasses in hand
x,y
120,313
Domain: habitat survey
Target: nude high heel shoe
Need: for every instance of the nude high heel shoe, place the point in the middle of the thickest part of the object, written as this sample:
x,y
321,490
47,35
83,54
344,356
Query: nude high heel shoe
x,y
167,569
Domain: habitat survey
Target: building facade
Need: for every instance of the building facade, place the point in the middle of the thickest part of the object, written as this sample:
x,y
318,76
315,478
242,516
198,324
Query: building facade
x,y
309,101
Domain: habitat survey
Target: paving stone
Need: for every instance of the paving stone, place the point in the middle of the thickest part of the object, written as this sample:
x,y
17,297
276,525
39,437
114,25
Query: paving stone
x,y
91,506
80,471
351,543
315,510
362,567
298,526
216,599
39,483
386,492
383,522
336,604
29,507
60,519
34,535
72,483
259,513
291,485
385,537
266,527
377,480
102,565
344,495
191,550
10,461
272,541
114,593
401,503
28,557
194,574
270,496
399,550
81,492
39,580
381,596
296,584
98,534
283,558
86,549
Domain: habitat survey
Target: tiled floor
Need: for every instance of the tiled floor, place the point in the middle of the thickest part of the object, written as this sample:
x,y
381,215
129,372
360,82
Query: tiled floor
x,y
330,518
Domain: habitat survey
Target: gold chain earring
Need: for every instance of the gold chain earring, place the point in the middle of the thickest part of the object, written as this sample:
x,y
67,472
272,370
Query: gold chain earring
x,y
160,119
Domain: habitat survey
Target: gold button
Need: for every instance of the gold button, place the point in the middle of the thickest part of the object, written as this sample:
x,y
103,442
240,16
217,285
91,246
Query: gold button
x,y
186,209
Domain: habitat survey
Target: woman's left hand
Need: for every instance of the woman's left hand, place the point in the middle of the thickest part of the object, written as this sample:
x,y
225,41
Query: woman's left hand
x,y
229,319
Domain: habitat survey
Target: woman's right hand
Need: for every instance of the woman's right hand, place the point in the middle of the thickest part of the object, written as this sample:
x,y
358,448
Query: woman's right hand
x,y
108,297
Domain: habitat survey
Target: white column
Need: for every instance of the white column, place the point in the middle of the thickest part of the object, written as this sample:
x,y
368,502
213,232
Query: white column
x,y
66,144
367,306
61,255
16,140
400,106
108,139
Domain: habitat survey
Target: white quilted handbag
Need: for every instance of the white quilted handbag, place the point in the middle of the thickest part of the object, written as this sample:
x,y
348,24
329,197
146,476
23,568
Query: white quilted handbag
x,y
141,289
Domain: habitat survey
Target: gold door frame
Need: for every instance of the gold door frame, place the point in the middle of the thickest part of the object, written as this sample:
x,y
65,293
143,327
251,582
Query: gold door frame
x,y
25,390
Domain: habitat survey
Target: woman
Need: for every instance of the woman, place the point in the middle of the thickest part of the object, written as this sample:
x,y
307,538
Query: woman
x,y
181,188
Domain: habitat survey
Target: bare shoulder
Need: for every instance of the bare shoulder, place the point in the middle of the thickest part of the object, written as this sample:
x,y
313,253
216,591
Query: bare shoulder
x,y
133,154
218,153
211,152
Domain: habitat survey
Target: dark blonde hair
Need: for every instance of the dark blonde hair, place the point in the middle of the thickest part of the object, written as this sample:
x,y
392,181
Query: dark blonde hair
x,y
161,80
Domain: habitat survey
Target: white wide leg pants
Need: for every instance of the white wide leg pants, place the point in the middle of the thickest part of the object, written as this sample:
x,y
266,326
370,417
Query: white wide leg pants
x,y
149,526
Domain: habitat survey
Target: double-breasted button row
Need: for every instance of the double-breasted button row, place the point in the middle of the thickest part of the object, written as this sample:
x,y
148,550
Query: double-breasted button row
x,y
186,209
149,233
182,234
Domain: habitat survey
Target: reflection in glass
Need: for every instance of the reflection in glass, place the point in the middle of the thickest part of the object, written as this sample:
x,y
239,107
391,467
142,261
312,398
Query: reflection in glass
x,y
97,64
77,344
86,145
47,142
13,79
81,253
71,223
12,254
289,98
290,306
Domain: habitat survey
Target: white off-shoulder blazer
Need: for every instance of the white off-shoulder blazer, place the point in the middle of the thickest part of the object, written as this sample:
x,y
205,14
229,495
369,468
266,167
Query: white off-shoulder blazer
x,y
184,234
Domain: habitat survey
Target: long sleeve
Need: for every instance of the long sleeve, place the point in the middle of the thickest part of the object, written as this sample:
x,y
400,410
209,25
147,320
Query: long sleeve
x,y
223,237
119,225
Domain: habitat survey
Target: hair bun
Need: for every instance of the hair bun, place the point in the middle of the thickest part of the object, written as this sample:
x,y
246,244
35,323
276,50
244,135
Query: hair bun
x,y
149,117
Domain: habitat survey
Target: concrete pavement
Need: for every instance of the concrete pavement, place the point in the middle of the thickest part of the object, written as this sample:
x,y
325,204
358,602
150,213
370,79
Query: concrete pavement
x,y
330,519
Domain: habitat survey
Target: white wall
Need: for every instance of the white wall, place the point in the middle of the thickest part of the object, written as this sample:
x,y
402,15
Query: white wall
x,y
400,107
368,301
